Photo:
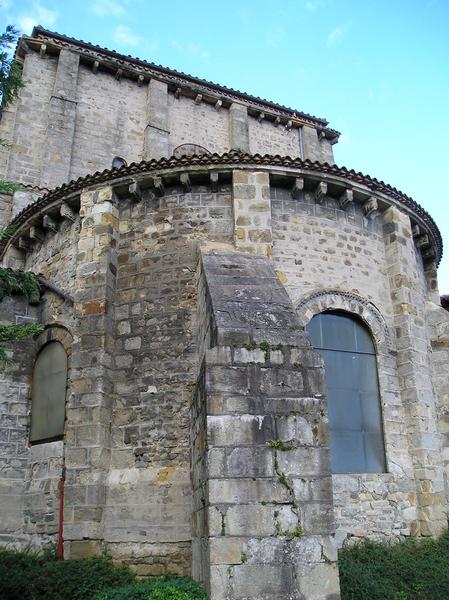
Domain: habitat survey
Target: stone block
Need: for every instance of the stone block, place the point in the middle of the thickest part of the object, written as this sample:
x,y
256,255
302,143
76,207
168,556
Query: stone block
x,y
318,581
263,581
281,382
239,430
225,550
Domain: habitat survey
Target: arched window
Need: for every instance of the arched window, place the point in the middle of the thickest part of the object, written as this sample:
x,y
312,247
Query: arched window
x,y
352,389
48,393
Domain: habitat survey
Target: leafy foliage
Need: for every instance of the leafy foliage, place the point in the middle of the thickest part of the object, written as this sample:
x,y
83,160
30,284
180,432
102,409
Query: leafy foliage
x,y
160,588
20,283
38,576
10,71
8,187
414,569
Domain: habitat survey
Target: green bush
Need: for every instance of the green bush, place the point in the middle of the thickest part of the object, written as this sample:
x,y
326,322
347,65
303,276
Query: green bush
x,y
163,588
29,575
415,569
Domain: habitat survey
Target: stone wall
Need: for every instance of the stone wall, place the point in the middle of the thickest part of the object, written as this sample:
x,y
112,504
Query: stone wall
x,y
110,121
148,511
266,138
202,124
14,423
25,123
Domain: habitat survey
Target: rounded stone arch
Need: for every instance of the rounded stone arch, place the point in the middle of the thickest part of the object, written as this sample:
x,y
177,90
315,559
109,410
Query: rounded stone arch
x,y
190,150
328,299
56,332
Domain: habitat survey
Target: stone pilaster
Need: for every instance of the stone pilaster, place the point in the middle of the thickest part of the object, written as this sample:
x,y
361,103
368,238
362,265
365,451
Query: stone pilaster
x,y
156,133
263,511
238,128
252,212
315,148
57,154
413,350
90,406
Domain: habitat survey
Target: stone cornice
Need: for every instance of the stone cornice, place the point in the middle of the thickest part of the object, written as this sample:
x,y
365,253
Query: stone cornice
x,y
138,68
314,172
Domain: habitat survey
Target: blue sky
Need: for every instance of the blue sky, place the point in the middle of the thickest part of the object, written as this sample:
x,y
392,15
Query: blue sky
x,y
377,70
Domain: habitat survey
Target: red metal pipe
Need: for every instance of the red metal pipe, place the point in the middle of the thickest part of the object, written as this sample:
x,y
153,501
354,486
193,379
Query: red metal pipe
x,y
61,516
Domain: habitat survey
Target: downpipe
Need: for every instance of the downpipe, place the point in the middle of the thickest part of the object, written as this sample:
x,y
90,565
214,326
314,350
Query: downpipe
x,y
60,552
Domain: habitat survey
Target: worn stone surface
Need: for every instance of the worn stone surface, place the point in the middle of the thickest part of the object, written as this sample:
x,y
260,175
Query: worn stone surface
x,y
196,437
255,525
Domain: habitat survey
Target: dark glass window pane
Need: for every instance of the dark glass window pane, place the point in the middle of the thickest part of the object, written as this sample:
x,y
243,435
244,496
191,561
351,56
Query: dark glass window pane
x,y
347,453
48,393
355,420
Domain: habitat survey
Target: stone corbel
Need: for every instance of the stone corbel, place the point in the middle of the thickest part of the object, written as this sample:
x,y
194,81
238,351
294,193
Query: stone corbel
x,y
198,98
118,74
214,181
261,117
416,231
346,198
178,93
49,224
422,241
23,244
67,213
297,187
185,182
277,121
428,254
218,104
135,192
43,49
95,66
140,80
320,192
370,207
158,185
289,124
36,234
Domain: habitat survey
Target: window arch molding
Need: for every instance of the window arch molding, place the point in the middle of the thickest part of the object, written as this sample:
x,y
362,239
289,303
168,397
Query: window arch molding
x,y
336,300
54,332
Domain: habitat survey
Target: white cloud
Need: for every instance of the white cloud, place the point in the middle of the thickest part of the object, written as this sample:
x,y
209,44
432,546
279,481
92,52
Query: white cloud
x,y
103,8
276,36
314,5
191,48
124,35
336,34
37,15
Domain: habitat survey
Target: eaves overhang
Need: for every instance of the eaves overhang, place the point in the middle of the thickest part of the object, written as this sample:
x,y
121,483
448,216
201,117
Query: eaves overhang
x,y
283,170
136,68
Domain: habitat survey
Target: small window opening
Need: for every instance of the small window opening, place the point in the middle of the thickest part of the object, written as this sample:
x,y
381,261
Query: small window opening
x,y
352,390
118,162
48,394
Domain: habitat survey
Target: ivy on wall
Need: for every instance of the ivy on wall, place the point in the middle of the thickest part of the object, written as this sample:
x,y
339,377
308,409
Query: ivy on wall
x,y
18,283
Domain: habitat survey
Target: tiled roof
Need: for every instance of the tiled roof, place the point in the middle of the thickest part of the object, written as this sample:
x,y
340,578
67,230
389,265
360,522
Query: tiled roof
x,y
223,160
44,34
